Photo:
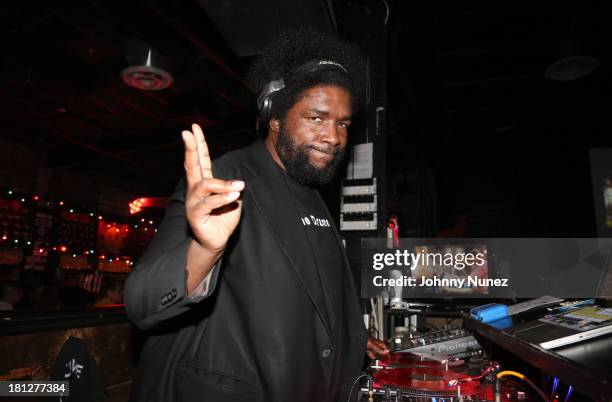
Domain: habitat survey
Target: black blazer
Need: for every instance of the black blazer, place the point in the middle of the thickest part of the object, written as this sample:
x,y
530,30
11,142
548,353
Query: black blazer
x,y
262,332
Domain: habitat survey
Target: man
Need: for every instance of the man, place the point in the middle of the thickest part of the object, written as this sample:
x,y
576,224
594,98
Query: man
x,y
246,282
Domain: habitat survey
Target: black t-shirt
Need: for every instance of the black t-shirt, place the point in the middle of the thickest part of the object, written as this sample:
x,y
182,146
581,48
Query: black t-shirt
x,y
316,222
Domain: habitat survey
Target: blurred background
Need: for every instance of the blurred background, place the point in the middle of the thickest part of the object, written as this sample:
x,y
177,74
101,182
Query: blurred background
x,y
487,119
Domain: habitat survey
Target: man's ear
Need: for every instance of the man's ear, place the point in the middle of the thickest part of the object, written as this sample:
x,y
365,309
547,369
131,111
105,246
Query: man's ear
x,y
274,125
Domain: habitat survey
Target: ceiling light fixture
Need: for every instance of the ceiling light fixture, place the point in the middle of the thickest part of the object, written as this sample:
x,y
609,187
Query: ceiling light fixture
x,y
147,77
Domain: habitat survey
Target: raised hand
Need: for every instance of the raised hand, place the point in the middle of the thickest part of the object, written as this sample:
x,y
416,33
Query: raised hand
x,y
213,205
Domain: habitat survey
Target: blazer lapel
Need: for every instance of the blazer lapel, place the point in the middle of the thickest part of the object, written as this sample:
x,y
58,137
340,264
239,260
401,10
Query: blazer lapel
x,y
266,185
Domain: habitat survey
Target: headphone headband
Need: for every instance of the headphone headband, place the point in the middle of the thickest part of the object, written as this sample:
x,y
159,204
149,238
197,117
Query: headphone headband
x,y
264,99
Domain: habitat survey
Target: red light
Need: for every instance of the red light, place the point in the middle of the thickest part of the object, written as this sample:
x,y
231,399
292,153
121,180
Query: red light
x,y
139,204
63,249
35,198
61,202
4,237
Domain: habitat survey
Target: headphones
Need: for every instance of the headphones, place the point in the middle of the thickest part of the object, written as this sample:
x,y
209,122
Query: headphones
x,y
264,99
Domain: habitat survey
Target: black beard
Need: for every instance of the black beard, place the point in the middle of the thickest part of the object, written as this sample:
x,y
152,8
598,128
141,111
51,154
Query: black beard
x,y
298,166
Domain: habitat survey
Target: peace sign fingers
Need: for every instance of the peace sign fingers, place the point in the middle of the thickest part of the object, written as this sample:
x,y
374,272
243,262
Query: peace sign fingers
x,y
193,171
206,196
197,158
203,155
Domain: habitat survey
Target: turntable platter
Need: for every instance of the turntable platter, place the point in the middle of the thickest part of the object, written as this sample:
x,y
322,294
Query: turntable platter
x,y
425,380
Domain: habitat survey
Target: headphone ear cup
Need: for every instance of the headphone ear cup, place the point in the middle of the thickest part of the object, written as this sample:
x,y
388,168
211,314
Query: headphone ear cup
x,y
265,111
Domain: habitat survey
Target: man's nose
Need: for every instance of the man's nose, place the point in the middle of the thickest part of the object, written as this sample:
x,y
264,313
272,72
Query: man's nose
x,y
330,135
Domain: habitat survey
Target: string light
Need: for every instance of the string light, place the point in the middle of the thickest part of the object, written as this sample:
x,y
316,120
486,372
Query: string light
x,y
144,223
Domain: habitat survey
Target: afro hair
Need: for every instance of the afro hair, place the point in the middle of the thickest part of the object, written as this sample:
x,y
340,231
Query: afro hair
x,y
296,47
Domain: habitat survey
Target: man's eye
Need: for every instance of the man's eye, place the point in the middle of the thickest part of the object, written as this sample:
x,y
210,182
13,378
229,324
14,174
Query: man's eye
x,y
344,124
316,118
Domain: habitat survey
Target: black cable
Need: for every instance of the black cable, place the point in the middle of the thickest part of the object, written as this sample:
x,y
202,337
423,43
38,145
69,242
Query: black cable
x,y
353,386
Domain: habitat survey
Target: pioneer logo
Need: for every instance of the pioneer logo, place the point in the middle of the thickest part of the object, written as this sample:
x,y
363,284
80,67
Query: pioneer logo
x,y
457,346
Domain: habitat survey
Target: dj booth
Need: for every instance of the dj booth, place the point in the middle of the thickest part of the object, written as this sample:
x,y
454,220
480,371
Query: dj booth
x,y
452,356
451,341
